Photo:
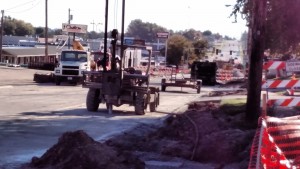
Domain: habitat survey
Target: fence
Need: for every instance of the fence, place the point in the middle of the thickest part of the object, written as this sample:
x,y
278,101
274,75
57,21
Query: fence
x,y
276,144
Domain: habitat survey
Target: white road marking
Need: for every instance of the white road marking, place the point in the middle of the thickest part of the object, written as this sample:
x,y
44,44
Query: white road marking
x,y
6,87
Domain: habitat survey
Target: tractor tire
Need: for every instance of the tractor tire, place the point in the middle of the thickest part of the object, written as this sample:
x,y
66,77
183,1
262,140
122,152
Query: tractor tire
x,y
139,106
152,105
93,100
163,86
157,99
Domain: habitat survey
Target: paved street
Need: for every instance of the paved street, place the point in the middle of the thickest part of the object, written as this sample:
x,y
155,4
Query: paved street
x,y
33,116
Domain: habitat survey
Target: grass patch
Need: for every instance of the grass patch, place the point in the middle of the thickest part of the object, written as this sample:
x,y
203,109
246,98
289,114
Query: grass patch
x,y
233,106
233,102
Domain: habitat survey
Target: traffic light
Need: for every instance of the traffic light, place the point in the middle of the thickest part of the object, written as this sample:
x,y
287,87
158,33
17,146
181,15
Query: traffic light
x,y
231,52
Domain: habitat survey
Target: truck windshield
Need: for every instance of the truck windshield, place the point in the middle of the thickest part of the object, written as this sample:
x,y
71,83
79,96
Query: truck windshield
x,y
75,56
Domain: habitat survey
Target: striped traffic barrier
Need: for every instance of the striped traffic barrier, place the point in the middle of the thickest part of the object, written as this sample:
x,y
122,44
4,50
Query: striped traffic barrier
x,y
289,85
275,144
289,102
275,65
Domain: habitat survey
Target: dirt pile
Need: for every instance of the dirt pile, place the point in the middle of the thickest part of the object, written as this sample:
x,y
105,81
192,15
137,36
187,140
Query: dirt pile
x,y
206,133
76,150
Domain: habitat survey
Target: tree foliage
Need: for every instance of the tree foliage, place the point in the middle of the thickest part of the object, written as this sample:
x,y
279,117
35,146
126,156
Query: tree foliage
x,y
200,48
177,45
191,34
17,27
146,31
282,21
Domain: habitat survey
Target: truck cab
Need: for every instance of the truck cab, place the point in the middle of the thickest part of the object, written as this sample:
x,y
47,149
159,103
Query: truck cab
x,y
70,65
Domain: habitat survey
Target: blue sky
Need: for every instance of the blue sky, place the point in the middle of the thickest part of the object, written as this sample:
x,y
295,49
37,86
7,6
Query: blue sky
x,y
171,14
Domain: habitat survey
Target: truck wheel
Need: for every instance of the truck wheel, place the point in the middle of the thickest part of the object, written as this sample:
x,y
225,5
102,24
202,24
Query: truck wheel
x,y
57,81
152,105
93,100
140,104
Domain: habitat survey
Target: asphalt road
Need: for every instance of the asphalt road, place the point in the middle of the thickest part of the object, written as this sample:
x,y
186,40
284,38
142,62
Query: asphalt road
x,y
33,116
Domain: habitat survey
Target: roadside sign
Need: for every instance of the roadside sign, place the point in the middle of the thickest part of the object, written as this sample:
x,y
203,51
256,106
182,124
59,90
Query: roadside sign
x,y
74,28
134,42
293,66
164,35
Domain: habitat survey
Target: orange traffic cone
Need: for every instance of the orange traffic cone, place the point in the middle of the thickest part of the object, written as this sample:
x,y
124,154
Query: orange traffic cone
x,y
293,77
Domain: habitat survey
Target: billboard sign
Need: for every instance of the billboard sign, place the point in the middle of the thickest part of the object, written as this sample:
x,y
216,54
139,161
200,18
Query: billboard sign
x,y
74,28
163,35
134,42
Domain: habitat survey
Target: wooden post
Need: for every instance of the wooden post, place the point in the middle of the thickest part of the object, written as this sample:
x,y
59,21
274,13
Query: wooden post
x,y
264,106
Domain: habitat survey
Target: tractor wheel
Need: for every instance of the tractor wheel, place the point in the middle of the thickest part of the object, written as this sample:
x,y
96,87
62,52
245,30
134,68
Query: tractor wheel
x,y
153,104
93,100
163,86
140,104
157,98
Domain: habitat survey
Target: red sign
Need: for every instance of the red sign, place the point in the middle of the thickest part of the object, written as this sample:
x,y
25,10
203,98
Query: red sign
x,y
162,35
75,28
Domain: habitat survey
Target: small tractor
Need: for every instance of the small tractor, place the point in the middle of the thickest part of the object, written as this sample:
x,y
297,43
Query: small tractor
x,y
120,84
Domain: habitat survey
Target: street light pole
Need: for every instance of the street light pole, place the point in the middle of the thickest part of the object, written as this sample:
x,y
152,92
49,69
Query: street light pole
x,y
97,26
46,29
69,22
1,34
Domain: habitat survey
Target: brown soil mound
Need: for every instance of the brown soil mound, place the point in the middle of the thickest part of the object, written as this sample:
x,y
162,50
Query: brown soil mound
x,y
206,133
78,150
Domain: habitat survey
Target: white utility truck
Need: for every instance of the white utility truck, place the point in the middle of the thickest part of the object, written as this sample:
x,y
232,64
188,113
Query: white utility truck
x,y
72,62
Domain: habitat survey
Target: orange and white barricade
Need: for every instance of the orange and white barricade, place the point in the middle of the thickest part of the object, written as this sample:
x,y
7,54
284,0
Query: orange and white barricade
x,y
224,76
289,85
289,102
276,144
275,65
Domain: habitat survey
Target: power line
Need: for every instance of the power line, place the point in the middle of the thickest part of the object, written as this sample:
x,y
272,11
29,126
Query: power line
x,y
23,4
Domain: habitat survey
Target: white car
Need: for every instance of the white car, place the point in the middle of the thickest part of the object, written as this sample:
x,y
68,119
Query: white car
x,y
13,65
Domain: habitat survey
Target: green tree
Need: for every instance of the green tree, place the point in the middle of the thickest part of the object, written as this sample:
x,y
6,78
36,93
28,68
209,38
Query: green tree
x,y
191,34
283,25
39,31
207,33
23,28
177,45
17,27
200,48
146,31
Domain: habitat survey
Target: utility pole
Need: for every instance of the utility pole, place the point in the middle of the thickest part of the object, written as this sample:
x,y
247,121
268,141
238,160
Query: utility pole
x,y
1,34
257,46
70,17
93,23
46,29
